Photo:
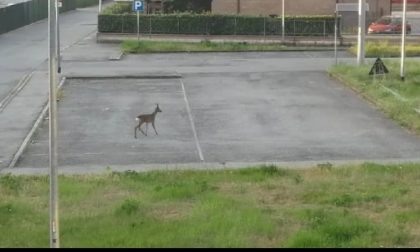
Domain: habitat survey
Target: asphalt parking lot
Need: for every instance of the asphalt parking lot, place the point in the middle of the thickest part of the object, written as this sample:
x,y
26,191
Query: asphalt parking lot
x,y
287,115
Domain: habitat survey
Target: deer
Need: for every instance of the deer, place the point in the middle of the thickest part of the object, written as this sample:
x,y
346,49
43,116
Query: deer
x,y
146,118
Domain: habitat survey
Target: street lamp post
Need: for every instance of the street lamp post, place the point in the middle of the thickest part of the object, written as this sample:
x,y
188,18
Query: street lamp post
x,y
53,80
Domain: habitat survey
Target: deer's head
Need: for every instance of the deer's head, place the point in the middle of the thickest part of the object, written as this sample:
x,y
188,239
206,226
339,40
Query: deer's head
x,y
157,108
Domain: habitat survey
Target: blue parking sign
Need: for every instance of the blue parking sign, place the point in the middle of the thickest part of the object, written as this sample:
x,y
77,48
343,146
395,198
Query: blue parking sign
x,y
138,5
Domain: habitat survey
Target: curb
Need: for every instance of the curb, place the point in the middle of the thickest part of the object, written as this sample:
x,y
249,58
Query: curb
x,y
118,38
212,166
124,76
29,136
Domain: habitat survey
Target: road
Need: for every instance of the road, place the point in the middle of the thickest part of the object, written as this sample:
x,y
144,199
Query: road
x,y
26,49
23,53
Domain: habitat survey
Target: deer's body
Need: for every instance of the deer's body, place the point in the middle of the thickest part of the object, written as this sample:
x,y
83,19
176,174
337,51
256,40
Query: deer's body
x,y
147,118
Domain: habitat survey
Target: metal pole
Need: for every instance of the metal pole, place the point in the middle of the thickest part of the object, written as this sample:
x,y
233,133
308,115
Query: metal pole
x,y
362,32
335,39
100,6
138,26
264,28
150,26
57,25
54,220
404,31
282,21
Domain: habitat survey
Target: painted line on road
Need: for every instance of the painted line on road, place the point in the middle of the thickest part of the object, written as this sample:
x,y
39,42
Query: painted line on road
x,y
187,104
28,138
12,94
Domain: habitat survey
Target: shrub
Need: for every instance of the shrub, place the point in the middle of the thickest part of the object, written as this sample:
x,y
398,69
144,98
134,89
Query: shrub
x,y
120,19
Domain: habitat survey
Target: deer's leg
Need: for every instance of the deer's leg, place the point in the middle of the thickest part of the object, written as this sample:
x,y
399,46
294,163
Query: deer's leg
x,y
135,131
153,124
141,129
147,124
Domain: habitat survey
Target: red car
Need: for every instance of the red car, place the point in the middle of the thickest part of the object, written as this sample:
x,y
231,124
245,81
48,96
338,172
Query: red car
x,y
388,25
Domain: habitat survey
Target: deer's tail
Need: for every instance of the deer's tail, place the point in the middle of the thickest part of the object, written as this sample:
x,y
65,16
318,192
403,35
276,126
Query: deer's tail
x,y
137,119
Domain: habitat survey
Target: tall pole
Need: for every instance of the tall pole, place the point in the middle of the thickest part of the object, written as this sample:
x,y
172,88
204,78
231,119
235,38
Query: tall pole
x,y
138,26
100,6
53,80
282,20
404,32
362,33
57,27
335,37
238,7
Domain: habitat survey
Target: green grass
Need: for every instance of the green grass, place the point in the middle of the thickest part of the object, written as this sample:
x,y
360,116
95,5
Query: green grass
x,y
366,205
400,109
385,49
142,46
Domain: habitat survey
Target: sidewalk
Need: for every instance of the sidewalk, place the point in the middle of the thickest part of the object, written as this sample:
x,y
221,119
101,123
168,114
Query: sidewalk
x,y
24,85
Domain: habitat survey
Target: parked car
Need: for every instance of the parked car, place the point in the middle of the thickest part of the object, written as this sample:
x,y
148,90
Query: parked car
x,y
388,25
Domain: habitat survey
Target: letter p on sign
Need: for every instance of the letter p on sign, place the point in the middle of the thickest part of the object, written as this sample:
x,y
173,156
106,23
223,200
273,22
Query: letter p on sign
x,y
138,5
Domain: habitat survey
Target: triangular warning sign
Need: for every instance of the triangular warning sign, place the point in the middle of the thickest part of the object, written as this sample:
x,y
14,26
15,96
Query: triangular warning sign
x,y
378,68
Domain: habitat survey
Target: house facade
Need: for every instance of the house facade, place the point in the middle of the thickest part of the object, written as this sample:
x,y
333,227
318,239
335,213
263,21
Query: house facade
x,y
377,8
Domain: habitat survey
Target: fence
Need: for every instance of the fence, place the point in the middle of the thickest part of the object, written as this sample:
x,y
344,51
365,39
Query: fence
x,y
21,14
216,25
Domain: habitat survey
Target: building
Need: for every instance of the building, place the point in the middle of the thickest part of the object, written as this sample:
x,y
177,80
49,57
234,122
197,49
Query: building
x,y
349,19
377,8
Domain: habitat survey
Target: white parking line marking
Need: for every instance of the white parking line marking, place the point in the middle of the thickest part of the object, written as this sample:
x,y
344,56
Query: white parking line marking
x,y
187,104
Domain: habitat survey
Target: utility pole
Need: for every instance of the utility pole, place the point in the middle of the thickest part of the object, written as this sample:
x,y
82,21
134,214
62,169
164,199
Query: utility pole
x,y
100,6
404,32
361,33
53,80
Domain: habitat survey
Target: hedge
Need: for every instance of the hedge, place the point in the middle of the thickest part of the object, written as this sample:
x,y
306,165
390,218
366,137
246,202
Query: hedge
x,y
215,24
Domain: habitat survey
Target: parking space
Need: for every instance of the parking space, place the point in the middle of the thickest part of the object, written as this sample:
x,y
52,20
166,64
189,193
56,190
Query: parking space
x,y
290,116
97,120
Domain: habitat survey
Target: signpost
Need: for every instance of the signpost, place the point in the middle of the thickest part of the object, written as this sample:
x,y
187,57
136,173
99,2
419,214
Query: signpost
x,y
138,6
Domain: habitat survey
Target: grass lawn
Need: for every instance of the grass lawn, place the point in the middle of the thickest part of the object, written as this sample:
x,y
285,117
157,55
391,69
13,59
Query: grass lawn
x,y
134,46
399,100
367,205
385,49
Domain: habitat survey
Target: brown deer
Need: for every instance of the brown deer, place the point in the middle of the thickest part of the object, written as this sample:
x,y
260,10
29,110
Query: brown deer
x,y
147,118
